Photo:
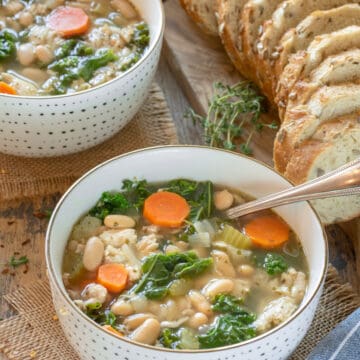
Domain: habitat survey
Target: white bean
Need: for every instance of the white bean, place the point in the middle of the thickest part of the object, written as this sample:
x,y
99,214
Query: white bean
x,y
134,321
223,199
123,308
119,222
125,8
93,253
26,54
218,286
199,302
44,54
147,333
34,74
245,270
26,19
197,320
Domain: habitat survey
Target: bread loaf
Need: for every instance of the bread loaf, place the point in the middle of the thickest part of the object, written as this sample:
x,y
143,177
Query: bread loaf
x,y
317,23
202,13
301,64
254,14
302,122
333,144
230,26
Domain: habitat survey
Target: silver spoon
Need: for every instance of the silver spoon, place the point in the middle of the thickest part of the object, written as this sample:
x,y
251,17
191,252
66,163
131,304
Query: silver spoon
x,y
340,182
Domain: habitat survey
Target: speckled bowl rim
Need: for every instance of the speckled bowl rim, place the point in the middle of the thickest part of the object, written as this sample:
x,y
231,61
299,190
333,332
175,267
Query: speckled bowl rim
x,y
269,333
126,73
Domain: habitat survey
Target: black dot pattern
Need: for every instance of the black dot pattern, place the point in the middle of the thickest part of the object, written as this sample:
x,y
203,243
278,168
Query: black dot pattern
x,y
56,126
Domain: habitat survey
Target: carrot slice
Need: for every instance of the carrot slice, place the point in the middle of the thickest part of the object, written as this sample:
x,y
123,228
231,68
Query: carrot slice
x,y
7,89
268,231
165,208
69,21
109,328
113,276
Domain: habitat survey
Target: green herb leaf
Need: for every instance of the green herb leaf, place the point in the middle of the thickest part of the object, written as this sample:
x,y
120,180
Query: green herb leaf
x,y
15,262
274,264
230,110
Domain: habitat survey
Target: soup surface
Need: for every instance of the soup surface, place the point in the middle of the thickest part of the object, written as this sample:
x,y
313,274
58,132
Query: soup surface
x,y
158,263
54,47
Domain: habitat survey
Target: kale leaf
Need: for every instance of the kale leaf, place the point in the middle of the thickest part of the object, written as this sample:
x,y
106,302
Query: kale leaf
x,y
137,191
199,195
90,64
274,264
233,326
226,330
110,203
160,270
75,60
141,36
7,45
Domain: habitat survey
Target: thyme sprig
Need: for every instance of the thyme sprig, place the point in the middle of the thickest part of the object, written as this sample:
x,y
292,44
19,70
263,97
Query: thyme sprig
x,y
230,109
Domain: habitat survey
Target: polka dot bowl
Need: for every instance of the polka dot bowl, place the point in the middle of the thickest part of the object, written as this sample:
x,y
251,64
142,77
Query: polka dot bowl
x,y
162,164
60,125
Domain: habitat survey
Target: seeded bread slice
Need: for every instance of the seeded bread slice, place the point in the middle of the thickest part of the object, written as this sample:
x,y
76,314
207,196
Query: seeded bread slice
x,y
334,144
254,14
319,22
302,63
336,69
202,13
229,12
301,122
287,16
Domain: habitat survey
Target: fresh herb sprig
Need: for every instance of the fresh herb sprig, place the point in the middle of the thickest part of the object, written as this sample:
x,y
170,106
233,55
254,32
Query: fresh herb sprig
x,y
230,109
16,262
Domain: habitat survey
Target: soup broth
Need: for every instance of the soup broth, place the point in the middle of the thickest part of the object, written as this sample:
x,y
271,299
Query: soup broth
x,y
54,47
203,282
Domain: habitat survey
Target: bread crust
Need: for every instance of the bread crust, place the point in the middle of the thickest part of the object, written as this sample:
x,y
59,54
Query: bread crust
x,y
202,12
229,14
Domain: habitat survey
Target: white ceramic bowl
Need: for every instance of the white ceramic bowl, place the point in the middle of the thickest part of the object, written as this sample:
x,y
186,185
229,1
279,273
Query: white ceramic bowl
x,y
36,126
199,163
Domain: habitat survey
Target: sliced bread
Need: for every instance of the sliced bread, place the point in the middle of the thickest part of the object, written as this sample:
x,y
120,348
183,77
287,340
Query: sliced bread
x,y
254,14
336,69
333,144
317,23
288,14
202,12
229,13
302,121
302,63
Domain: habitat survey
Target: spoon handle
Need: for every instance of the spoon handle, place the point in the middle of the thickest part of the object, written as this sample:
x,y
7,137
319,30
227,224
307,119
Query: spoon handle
x,y
340,182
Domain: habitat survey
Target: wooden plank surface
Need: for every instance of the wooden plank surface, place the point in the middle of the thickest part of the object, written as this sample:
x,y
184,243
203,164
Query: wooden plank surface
x,y
197,61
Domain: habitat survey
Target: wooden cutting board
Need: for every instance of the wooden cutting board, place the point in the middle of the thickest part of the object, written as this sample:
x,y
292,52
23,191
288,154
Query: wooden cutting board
x,y
198,61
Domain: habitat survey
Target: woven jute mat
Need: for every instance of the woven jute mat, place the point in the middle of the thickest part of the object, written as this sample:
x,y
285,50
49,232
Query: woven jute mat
x,y
36,333
26,177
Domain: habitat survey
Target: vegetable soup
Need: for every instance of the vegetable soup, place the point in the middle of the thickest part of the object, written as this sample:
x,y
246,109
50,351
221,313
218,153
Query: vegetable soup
x,y
160,265
54,47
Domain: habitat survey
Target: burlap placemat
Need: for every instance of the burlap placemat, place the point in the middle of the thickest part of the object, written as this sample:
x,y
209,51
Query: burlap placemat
x,y
36,333
26,177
